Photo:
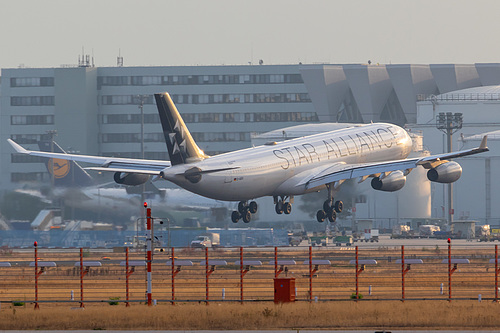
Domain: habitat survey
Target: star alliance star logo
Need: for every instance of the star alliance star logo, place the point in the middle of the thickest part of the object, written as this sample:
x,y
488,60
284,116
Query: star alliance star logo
x,y
176,147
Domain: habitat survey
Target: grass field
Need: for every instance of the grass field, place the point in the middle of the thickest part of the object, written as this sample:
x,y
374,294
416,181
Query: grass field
x,y
329,315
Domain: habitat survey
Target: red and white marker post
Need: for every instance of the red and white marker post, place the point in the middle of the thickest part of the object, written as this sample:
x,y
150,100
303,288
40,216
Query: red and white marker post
x,y
149,257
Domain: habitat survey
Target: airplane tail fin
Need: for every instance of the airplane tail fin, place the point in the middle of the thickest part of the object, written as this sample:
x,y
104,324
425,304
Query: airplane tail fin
x,y
66,173
180,144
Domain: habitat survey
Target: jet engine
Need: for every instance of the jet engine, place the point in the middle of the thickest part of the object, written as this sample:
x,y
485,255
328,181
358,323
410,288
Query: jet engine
x,y
394,182
132,179
445,173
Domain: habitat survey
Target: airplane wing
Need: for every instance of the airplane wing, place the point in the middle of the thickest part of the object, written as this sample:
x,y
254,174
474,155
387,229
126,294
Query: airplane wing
x,y
113,164
339,172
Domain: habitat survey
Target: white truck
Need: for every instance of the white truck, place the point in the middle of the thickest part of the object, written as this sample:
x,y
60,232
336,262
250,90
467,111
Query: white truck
x,y
210,239
371,235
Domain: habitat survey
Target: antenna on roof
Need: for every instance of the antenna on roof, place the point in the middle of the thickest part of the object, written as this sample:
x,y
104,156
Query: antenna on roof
x,y
84,61
119,59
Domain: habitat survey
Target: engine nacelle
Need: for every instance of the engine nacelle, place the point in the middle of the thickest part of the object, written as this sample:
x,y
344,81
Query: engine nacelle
x,y
394,182
445,173
132,179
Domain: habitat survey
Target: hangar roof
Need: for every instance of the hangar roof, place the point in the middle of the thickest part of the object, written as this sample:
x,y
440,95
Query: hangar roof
x,y
474,94
493,135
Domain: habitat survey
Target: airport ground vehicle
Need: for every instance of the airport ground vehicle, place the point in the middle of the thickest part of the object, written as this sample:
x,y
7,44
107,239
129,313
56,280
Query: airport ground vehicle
x,y
339,240
210,239
370,236
294,240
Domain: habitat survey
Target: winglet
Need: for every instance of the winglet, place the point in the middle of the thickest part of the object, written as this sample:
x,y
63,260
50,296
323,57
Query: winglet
x,y
17,147
484,142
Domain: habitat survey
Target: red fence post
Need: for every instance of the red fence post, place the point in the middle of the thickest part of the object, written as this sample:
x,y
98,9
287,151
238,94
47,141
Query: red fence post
x,y
36,275
449,270
310,273
81,278
126,276
496,273
173,277
149,259
357,272
241,274
207,274
275,262
403,272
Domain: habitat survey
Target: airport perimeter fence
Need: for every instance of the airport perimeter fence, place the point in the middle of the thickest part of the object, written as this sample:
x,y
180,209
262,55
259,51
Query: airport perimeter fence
x,y
321,274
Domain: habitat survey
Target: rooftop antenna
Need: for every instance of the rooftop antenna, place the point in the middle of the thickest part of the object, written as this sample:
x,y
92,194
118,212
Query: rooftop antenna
x,y
119,59
84,61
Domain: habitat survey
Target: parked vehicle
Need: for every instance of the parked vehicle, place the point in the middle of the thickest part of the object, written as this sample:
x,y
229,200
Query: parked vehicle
x,y
210,239
371,236
339,240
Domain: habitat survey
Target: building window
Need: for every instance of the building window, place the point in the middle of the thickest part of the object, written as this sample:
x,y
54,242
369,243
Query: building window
x,y
31,81
131,137
135,118
126,99
17,177
198,79
32,100
250,117
32,120
221,136
210,99
29,138
22,158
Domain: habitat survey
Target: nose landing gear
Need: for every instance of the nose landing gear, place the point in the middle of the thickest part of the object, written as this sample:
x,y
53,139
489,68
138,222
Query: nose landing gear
x,y
244,212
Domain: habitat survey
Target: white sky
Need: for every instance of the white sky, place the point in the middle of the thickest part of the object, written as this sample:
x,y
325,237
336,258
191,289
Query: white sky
x,y
49,33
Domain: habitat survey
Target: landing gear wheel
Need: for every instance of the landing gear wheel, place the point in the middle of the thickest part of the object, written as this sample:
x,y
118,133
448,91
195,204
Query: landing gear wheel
x,y
320,216
339,206
252,207
279,207
247,216
242,207
332,215
327,205
235,216
287,208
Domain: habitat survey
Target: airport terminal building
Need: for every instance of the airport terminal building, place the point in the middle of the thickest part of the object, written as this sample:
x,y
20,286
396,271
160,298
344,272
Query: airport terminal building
x,y
104,110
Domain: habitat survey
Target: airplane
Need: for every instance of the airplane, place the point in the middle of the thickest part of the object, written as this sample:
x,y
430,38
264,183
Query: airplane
x,y
280,170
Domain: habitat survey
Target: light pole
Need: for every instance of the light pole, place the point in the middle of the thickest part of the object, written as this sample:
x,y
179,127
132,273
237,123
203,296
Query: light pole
x,y
449,123
141,99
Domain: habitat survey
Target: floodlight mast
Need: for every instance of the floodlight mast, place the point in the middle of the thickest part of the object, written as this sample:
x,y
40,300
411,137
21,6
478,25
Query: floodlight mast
x,y
449,123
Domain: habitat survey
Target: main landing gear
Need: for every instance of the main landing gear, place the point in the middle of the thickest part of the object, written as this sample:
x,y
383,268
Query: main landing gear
x,y
244,212
330,207
330,210
283,206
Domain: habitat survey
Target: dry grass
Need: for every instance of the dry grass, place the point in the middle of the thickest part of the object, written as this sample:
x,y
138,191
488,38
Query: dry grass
x,y
332,315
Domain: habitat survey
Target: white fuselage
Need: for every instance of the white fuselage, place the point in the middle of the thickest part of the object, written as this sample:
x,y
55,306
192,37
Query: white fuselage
x,y
276,170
